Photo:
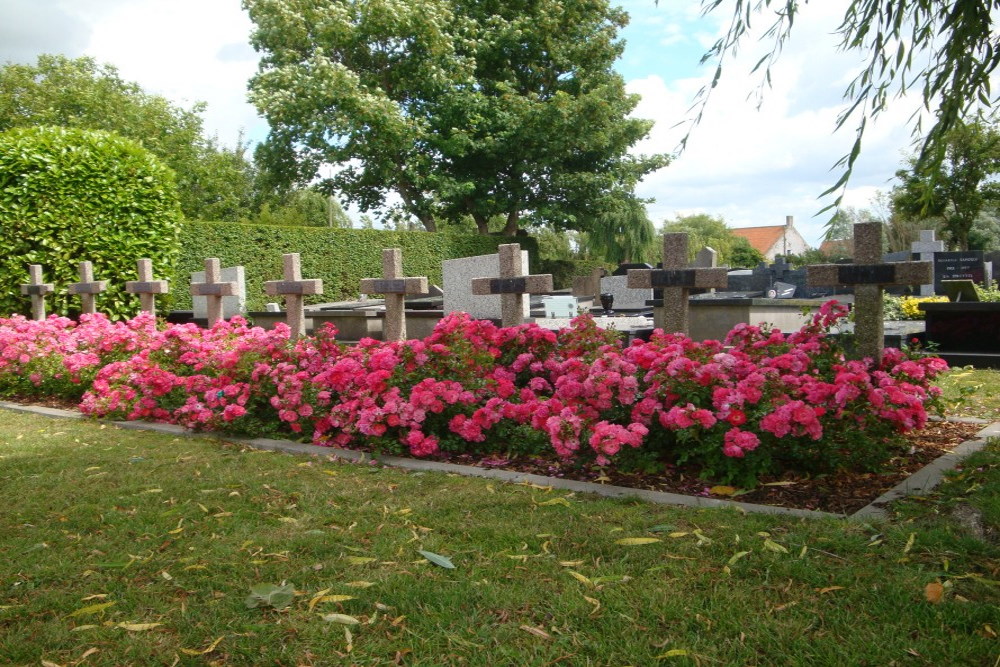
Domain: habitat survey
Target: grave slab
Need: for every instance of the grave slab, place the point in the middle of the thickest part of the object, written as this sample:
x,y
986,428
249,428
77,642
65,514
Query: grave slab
x,y
458,275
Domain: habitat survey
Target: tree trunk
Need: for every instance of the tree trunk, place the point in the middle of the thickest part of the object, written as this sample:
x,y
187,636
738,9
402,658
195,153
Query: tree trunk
x,y
428,223
510,229
482,223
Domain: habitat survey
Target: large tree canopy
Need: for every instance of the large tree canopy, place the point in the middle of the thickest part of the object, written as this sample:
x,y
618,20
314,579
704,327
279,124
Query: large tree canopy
x,y
476,108
960,188
946,49
214,183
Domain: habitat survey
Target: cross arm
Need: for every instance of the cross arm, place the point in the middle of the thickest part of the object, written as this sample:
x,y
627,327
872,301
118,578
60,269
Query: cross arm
x,y
538,284
889,273
704,278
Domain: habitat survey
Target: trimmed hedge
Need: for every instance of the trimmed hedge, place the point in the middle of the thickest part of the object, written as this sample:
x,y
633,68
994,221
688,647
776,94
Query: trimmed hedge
x,y
68,195
340,257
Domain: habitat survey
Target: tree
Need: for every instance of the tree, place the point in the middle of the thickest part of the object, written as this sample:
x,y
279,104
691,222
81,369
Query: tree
x,y
460,107
304,207
705,230
960,188
622,234
947,49
214,183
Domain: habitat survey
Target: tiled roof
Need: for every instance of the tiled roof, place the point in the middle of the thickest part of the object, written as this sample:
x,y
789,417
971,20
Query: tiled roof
x,y
761,238
838,247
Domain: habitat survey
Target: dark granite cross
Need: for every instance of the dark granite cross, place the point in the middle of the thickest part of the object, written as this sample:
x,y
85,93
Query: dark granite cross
x,y
293,288
37,290
395,288
87,288
146,287
213,289
512,285
868,275
676,280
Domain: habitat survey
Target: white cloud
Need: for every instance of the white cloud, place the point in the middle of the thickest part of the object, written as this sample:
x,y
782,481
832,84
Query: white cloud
x,y
755,166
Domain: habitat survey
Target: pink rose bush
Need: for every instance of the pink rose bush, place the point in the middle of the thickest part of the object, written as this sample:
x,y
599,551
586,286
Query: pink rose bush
x,y
760,402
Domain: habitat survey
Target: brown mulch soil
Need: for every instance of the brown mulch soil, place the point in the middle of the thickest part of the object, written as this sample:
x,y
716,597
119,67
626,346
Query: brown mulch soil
x,y
842,493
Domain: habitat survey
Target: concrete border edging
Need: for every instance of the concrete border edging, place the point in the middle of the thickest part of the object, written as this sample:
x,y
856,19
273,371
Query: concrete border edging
x,y
921,481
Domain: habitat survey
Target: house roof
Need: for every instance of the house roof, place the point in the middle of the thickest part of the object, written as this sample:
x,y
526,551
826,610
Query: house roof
x,y
761,239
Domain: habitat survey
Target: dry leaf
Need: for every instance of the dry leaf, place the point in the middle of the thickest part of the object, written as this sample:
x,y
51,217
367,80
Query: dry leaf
x,y
672,653
538,632
137,627
554,501
570,563
579,577
359,584
775,547
676,535
316,598
736,556
829,589
343,619
909,543
98,596
723,490
81,628
636,541
92,609
211,647
595,602
934,591
359,560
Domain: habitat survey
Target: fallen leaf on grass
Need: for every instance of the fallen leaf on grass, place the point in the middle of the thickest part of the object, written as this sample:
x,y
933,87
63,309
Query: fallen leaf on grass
x,y
96,596
553,501
636,541
81,628
909,543
784,483
359,584
343,619
92,609
137,627
736,556
211,647
538,632
579,577
359,560
438,559
677,534
934,592
672,653
723,490
775,547
570,563
829,589
595,602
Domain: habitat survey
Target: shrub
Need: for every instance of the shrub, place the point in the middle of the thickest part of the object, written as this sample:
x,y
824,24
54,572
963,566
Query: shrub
x,y
68,195
340,257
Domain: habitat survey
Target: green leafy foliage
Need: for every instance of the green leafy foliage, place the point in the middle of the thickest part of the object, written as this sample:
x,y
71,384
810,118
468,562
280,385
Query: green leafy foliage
x,y
270,595
68,195
340,257
705,230
214,182
460,108
956,191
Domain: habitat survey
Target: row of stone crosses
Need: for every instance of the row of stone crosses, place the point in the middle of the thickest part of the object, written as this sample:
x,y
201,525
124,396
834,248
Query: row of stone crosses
x,y
868,275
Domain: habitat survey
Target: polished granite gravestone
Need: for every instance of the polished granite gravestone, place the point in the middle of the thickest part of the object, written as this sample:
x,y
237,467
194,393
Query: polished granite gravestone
x,y
458,296
964,265
964,332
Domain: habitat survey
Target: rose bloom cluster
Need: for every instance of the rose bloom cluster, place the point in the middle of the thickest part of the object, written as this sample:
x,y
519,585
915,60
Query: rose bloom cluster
x,y
759,402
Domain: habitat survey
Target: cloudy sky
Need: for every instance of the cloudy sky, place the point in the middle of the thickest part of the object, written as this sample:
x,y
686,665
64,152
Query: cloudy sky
x,y
750,165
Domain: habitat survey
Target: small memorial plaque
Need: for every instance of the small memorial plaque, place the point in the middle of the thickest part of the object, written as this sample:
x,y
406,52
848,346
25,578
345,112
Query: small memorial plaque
x,y
672,278
508,286
966,265
866,274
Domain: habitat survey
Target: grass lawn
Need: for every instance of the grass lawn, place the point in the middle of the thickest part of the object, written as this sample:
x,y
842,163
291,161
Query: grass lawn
x,y
122,547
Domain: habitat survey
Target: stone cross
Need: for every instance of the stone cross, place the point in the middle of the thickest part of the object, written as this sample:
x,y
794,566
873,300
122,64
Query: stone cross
x,y
512,285
146,287
88,288
395,288
37,290
676,280
293,288
213,289
868,276
924,249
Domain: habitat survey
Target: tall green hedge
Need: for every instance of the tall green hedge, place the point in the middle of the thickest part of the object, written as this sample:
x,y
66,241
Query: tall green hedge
x,y
68,195
340,257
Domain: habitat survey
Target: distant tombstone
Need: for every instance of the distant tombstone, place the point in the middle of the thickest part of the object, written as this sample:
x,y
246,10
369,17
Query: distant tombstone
x,y
676,281
146,287
780,267
623,269
868,277
37,290
512,285
588,287
625,297
707,258
87,288
226,291
294,289
964,265
458,296
924,249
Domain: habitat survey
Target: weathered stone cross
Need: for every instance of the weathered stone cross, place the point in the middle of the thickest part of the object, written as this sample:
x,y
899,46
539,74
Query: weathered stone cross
x,y
293,288
37,290
87,288
868,275
395,288
512,285
676,280
146,287
213,289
